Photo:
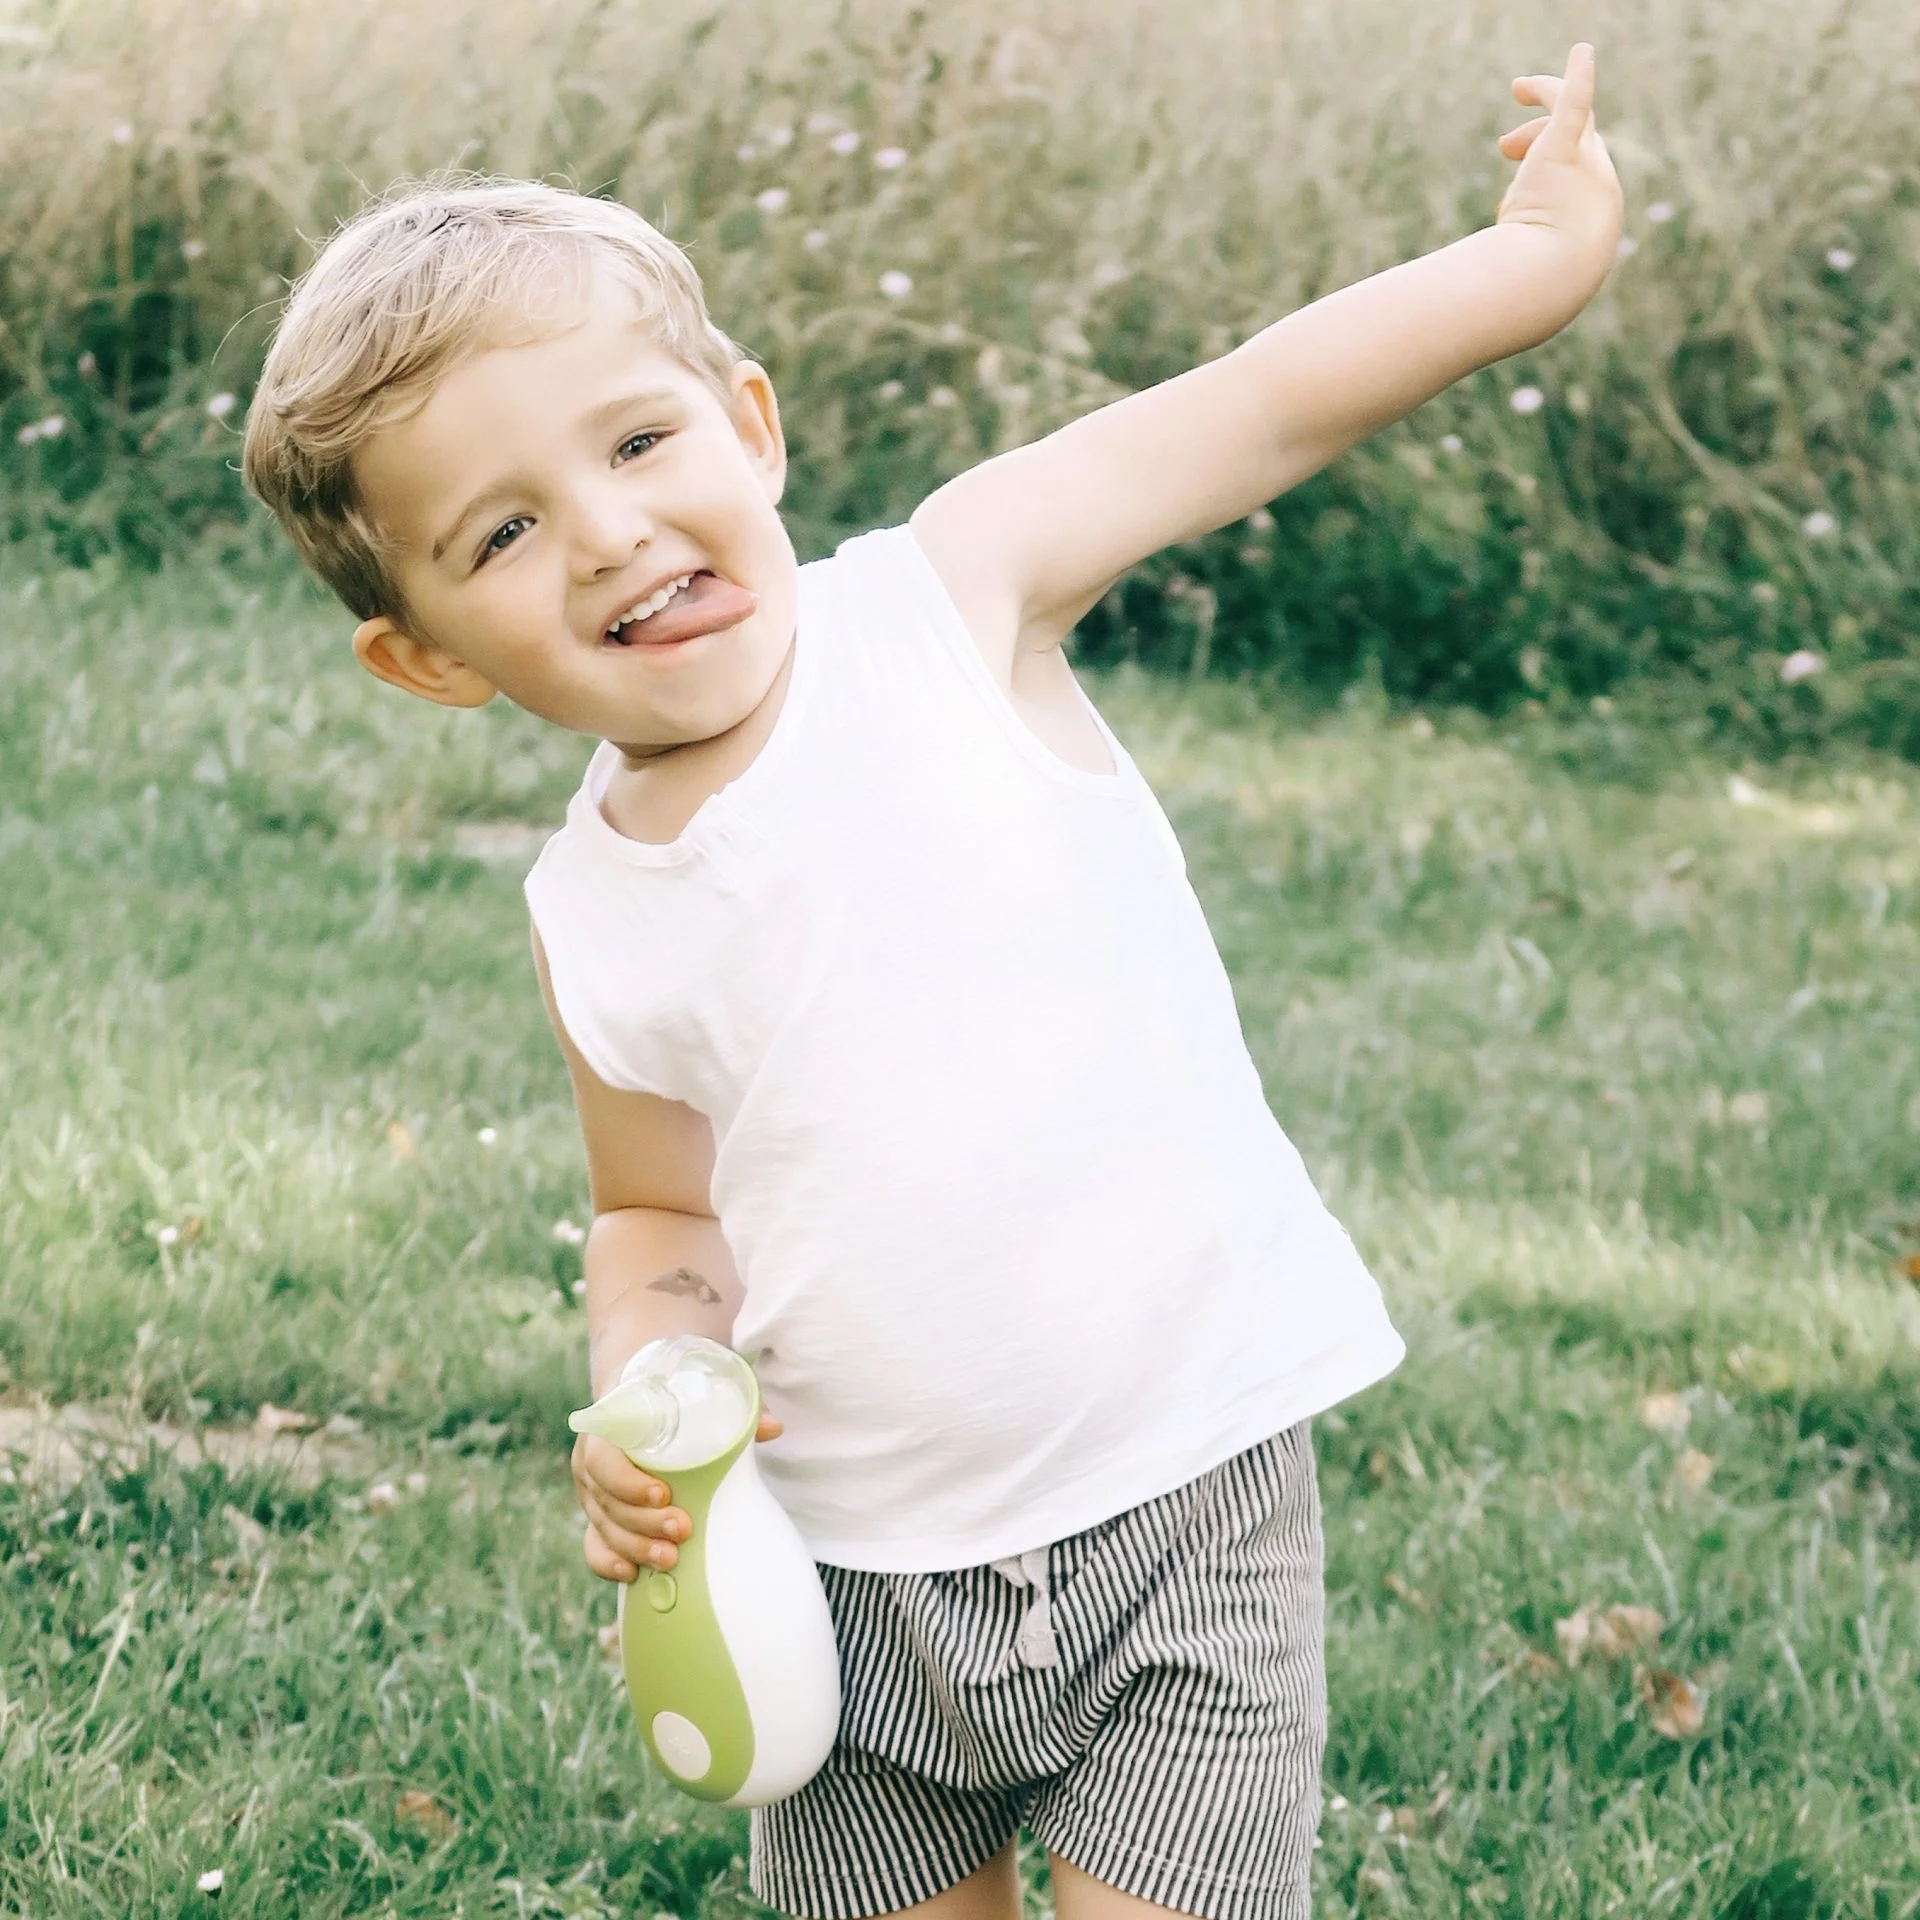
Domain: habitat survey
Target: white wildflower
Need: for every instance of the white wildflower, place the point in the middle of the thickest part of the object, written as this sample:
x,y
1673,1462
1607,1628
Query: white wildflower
x,y
1660,212
28,434
1818,524
891,389
1260,520
1627,247
821,122
487,1136
1743,793
1109,273
746,153
1841,259
777,137
890,157
1765,592
1748,1109
895,284
193,249
1526,399
815,240
168,1236
1802,664
211,1881
943,397
383,1497
221,405
87,366
568,1234
771,200
416,1482
844,143
1451,443
123,134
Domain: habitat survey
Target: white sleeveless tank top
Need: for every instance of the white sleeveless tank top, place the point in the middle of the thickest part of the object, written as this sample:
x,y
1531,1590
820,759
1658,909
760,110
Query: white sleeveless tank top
x,y
1022,1244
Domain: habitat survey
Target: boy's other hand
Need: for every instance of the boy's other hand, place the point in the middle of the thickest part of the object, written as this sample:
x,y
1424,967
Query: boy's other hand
x,y
631,1519
1566,182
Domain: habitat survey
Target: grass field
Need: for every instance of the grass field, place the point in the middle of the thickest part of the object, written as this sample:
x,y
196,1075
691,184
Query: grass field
x,y
1604,1054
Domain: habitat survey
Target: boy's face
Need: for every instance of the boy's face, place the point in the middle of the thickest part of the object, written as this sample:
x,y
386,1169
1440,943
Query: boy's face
x,y
547,489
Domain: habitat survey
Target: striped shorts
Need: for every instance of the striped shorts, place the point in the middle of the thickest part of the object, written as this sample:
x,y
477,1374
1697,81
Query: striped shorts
x,y
1147,1698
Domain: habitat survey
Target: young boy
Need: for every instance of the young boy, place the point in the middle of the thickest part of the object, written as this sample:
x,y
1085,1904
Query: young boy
x,y
903,1056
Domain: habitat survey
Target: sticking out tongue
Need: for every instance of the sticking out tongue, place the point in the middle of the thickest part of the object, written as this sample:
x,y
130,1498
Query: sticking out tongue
x,y
705,604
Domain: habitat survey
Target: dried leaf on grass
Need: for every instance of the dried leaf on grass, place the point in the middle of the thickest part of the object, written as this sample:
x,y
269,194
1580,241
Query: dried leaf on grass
x,y
1693,1469
1609,1635
1403,1589
609,1638
417,1809
400,1139
1665,1413
1675,1706
271,1420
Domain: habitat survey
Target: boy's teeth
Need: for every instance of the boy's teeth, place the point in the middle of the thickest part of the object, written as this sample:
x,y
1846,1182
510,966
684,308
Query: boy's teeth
x,y
647,608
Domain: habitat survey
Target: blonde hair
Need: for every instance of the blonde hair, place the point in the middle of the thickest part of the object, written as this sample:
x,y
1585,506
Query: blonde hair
x,y
436,270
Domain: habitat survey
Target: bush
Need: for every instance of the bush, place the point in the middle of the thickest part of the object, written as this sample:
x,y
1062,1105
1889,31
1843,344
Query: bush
x,y
1719,475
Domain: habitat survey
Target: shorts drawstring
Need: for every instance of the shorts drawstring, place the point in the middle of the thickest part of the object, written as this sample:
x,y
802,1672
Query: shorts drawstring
x,y
1034,1643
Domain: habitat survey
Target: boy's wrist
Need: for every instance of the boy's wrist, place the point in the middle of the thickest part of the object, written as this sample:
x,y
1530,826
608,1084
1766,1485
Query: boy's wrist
x,y
1553,270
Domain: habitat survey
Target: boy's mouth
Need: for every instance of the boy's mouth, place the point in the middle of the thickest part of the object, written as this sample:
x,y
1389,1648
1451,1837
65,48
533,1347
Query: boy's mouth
x,y
684,609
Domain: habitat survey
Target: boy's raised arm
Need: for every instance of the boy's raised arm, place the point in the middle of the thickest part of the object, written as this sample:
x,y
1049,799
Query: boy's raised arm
x,y
1027,543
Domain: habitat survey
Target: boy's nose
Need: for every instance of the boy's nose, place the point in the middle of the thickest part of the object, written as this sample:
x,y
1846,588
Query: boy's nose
x,y
610,527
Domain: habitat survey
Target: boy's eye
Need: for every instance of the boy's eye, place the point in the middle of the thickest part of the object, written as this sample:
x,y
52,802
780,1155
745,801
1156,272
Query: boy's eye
x,y
636,444
503,536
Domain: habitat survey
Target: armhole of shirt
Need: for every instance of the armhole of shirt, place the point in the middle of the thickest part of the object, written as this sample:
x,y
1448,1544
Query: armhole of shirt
x,y
580,1030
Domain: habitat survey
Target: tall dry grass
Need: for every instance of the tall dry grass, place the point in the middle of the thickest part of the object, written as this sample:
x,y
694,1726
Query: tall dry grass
x,y
1091,196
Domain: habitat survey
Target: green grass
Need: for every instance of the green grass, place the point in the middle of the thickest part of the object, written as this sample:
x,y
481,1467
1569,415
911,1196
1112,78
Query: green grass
x,y
1603,1052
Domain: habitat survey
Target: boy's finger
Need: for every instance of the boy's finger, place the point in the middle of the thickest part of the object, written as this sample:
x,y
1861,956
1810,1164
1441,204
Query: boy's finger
x,y
1515,144
605,1463
1574,105
601,1559
642,1549
643,1523
770,1428
1538,89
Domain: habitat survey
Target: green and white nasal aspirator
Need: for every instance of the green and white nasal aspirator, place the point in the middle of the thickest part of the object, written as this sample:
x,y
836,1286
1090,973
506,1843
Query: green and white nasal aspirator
x,y
730,1657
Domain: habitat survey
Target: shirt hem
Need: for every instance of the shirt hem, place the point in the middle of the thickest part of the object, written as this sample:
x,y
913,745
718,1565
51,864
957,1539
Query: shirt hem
x,y
1336,1375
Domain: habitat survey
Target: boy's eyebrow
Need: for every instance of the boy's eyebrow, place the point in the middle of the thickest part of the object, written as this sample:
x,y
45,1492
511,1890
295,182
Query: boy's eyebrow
x,y
595,422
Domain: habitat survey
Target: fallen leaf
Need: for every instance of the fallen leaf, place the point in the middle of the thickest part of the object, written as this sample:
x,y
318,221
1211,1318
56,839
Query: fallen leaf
x,y
1402,1589
1693,1469
422,1810
1379,1466
609,1638
1666,1413
400,1139
1624,1630
271,1420
1573,1633
1675,1706
1540,1666
1909,1267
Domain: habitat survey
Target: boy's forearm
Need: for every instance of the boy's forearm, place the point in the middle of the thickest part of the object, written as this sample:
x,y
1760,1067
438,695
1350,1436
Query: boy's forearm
x,y
1334,372
653,1272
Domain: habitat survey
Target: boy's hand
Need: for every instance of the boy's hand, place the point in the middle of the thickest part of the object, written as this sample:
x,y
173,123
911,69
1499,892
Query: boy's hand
x,y
631,1521
1566,182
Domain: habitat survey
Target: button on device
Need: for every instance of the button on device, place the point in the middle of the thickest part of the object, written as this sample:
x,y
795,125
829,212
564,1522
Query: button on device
x,y
662,1592
682,1746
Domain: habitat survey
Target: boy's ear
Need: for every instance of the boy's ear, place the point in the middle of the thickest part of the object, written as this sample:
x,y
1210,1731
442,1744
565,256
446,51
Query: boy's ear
x,y
417,666
756,418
